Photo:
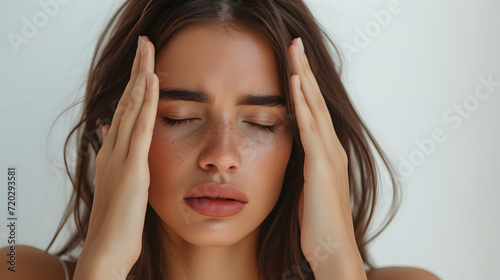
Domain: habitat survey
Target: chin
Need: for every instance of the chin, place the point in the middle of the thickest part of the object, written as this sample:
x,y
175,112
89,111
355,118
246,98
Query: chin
x,y
214,232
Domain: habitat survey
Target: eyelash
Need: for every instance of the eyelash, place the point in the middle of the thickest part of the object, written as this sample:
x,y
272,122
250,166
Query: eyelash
x,y
174,122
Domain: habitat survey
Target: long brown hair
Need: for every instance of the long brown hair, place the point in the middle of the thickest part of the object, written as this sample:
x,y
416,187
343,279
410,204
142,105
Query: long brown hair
x,y
278,21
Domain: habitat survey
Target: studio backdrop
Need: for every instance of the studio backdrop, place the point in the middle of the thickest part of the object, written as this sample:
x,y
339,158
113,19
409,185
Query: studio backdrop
x,y
423,75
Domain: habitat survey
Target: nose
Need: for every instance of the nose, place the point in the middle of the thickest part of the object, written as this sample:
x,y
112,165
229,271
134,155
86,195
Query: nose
x,y
220,153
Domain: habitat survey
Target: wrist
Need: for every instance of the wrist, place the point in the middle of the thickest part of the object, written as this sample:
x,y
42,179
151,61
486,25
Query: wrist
x,y
342,264
97,263
101,268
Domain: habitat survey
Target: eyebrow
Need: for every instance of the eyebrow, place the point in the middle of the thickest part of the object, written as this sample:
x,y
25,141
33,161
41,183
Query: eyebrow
x,y
202,97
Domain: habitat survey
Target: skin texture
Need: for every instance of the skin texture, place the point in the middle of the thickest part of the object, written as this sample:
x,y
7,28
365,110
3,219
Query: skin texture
x,y
219,146
230,150
225,150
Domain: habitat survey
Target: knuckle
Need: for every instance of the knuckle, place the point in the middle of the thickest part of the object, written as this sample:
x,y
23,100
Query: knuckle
x,y
313,126
140,128
128,104
136,96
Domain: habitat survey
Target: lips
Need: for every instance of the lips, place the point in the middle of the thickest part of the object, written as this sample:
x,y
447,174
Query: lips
x,y
217,191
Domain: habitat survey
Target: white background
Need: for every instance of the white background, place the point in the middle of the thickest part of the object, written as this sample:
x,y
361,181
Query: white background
x,y
406,78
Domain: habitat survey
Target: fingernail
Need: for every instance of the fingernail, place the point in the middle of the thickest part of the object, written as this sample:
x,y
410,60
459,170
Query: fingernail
x,y
143,45
139,43
148,80
297,78
301,45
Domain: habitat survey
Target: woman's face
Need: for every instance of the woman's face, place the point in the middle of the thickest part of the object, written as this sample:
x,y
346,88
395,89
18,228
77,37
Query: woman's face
x,y
222,142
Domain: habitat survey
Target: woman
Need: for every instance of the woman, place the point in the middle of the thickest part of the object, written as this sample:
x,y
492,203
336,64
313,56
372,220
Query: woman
x,y
221,147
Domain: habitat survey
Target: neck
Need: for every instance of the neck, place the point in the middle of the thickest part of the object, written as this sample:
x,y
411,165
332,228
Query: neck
x,y
187,261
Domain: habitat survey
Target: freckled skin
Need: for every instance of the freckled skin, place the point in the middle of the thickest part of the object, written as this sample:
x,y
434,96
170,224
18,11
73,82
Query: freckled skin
x,y
219,145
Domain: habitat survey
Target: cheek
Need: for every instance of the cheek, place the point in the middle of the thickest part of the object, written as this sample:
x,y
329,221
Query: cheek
x,y
167,151
163,155
270,150
263,149
269,168
170,160
166,158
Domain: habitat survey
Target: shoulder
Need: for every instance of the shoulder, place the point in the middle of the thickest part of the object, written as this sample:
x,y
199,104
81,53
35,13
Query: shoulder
x,y
31,263
400,273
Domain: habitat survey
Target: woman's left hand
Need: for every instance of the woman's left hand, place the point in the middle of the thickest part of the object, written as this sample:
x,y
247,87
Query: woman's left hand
x,y
327,232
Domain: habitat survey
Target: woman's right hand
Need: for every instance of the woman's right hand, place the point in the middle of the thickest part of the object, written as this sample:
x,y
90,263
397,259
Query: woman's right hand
x,y
122,170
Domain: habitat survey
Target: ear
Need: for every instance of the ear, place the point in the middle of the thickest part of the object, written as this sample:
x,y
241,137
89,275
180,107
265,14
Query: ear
x,y
104,131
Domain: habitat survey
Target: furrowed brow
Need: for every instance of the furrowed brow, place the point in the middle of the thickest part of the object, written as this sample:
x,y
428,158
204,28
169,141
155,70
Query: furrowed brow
x,y
202,97
261,100
185,95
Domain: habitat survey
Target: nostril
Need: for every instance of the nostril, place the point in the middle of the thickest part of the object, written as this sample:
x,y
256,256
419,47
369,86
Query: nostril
x,y
211,167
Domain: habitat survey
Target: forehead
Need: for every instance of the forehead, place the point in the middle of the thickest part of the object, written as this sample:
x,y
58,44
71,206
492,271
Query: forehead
x,y
216,60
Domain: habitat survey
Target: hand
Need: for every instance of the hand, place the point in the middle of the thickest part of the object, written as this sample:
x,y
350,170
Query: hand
x,y
122,170
325,217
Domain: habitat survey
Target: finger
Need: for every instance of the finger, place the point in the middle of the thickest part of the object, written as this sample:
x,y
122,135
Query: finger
x,y
310,135
135,101
312,93
301,65
143,129
315,101
109,145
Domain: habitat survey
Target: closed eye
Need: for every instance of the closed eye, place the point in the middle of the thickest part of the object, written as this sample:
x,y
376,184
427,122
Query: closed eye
x,y
175,122
267,128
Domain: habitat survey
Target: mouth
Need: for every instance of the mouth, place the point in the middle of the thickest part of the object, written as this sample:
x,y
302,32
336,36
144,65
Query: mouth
x,y
211,197
215,191
215,206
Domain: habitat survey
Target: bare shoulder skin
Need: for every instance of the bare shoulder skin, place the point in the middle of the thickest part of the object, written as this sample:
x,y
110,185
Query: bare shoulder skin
x,y
38,264
33,263
400,273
